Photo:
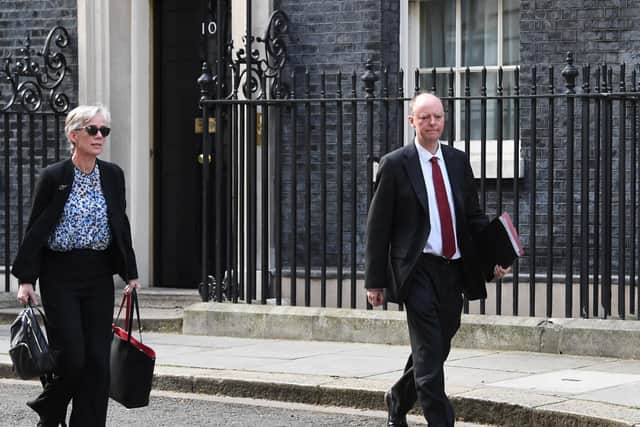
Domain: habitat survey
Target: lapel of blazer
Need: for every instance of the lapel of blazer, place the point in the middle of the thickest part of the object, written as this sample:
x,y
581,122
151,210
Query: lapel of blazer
x,y
63,187
414,170
108,186
455,177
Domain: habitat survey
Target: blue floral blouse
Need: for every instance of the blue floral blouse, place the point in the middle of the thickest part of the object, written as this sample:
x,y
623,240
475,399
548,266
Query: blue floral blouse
x,y
84,223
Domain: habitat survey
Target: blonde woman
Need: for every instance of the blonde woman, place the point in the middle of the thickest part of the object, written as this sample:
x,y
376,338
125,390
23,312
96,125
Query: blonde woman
x,y
77,237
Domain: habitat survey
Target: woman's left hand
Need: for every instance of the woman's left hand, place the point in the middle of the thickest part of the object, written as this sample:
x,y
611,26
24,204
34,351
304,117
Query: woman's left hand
x,y
133,284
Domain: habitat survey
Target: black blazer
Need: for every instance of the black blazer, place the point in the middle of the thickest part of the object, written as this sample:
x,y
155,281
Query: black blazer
x,y
398,222
51,194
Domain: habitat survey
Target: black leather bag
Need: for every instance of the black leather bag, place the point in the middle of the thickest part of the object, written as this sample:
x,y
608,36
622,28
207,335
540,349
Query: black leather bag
x,y
29,349
132,362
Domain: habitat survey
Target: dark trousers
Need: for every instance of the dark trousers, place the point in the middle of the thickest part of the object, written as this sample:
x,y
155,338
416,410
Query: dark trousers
x,y
434,305
79,315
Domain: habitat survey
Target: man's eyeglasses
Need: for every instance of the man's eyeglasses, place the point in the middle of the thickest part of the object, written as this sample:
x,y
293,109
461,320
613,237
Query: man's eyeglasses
x,y
92,130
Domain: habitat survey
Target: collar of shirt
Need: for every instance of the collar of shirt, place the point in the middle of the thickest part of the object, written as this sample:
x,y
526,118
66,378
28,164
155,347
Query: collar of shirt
x,y
424,154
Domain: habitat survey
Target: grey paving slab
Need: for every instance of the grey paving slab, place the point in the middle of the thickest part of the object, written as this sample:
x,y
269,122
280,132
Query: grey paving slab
x,y
391,376
399,352
210,359
473,377
625,395
629,416
338,365
569,381
199,340
524,362
616,366
290,350
166,353
527,399
466,353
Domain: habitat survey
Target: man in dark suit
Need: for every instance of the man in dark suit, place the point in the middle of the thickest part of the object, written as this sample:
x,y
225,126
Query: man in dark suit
x,y
420,249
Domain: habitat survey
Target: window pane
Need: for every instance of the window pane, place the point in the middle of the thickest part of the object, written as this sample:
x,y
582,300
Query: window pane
x,y
479,32
437,33
491,124
511,32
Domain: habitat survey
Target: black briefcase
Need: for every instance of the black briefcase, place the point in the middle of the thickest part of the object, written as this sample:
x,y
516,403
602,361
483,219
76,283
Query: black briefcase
x,y
132,362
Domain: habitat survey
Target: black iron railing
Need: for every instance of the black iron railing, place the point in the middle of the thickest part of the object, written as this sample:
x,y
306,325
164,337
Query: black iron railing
x,y
561,161
32,109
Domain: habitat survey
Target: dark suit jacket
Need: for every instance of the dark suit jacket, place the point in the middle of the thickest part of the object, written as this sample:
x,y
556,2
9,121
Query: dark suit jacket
x,y
398,222
51,194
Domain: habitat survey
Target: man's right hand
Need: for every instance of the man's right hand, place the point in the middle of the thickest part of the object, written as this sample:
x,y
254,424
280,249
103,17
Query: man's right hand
x,y
26,293
375,297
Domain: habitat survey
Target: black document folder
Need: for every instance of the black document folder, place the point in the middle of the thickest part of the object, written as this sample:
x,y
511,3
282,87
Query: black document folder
x,y
499,242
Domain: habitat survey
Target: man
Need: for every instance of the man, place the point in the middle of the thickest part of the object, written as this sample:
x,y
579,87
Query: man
x,y
421,251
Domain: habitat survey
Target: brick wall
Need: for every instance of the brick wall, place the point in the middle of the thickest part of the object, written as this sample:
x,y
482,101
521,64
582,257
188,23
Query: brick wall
x,y
330,36
598,32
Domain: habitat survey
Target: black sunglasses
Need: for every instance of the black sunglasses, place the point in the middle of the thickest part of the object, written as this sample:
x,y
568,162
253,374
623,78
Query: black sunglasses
x,y
92,130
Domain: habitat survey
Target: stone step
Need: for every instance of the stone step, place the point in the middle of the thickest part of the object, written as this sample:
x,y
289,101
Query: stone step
x,y
161,309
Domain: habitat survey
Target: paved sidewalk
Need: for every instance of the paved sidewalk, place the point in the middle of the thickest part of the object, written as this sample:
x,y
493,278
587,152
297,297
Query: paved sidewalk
x,y
497,387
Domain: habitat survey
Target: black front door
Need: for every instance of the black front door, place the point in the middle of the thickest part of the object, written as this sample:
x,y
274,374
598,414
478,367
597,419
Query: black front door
x,y
185,36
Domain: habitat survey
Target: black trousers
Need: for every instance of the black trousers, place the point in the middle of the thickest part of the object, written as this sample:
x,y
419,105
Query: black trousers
x,y
79,315
434,305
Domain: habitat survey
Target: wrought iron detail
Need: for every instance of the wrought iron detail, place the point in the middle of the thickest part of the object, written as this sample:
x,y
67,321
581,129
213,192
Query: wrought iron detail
x,y
369,78
28,76
209,291
262,69
570,72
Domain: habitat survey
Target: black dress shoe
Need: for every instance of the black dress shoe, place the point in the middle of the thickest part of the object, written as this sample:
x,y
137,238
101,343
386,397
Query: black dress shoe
x,y
394,419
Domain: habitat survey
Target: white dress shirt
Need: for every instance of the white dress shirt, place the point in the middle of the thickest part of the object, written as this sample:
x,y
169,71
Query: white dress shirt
x,y
434,240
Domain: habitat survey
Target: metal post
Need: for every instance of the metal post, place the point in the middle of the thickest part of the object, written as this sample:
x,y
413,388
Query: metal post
x,y
570,72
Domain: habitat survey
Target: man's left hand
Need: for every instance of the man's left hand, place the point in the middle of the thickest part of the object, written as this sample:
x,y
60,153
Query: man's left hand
x,y
375,297
499,272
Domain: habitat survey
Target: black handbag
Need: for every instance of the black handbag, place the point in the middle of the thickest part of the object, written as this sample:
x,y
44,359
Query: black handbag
x,y
29,349
131,361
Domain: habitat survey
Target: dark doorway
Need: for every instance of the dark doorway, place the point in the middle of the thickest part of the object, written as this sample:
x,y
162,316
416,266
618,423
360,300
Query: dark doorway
x,y
184,38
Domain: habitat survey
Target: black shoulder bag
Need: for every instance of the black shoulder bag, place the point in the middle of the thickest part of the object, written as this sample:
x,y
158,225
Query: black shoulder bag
x,y
29,349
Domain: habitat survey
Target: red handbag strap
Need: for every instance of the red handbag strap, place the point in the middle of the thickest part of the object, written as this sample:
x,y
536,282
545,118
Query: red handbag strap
x,y
126,298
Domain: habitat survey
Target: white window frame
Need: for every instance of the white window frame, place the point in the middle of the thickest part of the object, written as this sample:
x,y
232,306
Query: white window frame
x,y
409,42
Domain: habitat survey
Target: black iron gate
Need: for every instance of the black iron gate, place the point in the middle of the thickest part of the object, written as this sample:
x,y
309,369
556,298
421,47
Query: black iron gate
x,y
32,110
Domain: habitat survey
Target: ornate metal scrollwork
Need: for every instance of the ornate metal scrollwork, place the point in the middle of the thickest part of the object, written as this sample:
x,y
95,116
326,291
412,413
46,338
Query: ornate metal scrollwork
x,y
267,68
29,77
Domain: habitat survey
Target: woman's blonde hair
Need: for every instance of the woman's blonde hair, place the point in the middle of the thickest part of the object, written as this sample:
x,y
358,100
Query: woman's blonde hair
x,y
81,115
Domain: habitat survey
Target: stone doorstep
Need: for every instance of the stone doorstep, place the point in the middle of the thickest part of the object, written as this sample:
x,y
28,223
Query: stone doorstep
x,y
467,409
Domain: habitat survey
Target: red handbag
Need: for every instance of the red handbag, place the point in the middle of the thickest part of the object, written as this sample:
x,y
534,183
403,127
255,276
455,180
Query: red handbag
x,y
131,361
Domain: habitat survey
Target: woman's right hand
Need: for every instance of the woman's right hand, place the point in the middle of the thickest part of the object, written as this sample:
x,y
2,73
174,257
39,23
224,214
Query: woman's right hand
x,y
26,293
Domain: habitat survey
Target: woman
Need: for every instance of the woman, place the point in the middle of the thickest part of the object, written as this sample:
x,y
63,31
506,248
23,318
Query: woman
x,y
77,237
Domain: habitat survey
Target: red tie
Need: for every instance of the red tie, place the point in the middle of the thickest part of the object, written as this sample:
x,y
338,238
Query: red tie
x,y
446,225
